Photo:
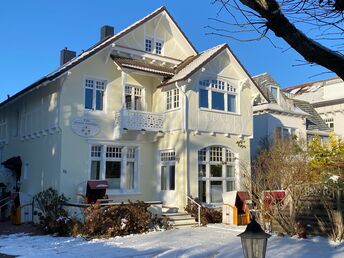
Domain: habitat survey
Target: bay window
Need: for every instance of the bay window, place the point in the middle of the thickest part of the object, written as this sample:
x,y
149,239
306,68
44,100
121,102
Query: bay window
x,y
116,164
94,94
216,173
217,95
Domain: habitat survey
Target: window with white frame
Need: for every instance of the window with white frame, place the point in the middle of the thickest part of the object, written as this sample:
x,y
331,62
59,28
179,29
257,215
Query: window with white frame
x,y
96,151
172,99
116,164
149,44
274,92
216,173
133,97
285,132
94,94
158,47
217,95
329,122
168,170
154,45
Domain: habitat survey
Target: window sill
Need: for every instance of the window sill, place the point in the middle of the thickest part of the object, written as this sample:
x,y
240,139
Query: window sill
x,y
172,110
94,112
219,111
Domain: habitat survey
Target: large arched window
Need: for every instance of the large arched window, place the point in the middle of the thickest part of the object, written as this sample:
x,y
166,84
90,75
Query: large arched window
x,y
217,95
216,173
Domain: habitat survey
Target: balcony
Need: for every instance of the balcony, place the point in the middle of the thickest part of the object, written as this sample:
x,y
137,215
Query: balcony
x,y
139,120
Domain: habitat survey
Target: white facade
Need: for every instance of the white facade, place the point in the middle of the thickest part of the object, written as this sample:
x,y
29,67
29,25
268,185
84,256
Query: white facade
x,y
327,97
282,117
135,111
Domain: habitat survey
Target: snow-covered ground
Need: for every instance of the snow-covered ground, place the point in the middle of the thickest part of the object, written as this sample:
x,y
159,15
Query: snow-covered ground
x,y
212,241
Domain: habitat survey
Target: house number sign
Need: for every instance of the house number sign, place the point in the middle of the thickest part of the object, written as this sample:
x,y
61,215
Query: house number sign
x,y
85,126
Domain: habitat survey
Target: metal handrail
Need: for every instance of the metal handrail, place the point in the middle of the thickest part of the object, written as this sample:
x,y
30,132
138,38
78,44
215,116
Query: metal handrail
x,y
199,208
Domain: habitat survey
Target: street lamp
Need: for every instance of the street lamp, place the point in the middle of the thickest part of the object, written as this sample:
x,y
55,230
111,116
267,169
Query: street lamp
x,y
254,240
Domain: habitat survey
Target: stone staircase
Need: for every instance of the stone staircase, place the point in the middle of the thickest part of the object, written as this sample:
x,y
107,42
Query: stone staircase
x,y
179,219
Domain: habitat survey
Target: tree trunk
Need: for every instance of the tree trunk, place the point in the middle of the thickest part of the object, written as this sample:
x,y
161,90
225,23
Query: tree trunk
x,y
312,51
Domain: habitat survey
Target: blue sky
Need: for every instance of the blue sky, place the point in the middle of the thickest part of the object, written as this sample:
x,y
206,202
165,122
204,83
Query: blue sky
x,y
34,32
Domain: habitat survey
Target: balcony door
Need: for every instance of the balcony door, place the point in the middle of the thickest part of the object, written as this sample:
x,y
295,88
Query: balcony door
x,y
134,98
167,176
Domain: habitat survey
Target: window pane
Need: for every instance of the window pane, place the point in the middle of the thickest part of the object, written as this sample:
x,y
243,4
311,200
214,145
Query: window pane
x,y
216,170
128,101
230,172
113,174
99,100
231,103
203,98
88,98
138,103
216,191
201,170
148,45
163,178
230,185
130,175
274,92
176,98
172,177
168,100
201,191
95,170
158,47
217,101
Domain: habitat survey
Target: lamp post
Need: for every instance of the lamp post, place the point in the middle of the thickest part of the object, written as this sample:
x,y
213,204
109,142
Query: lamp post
x,y
254,240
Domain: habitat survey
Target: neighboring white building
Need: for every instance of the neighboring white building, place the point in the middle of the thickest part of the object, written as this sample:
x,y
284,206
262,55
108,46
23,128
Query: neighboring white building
x,y
142,109
327,97
283,116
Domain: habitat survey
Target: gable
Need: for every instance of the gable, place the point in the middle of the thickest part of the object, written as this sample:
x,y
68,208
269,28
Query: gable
x,y
161,28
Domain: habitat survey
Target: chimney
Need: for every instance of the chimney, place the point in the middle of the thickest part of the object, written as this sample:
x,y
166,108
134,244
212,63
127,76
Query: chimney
x,y
106,31
66,55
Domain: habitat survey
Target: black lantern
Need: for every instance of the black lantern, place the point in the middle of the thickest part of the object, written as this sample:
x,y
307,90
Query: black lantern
x,y
254,240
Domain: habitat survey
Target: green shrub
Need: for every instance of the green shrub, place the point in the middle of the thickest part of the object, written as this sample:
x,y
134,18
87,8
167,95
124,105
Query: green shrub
x,y
54,219
208,215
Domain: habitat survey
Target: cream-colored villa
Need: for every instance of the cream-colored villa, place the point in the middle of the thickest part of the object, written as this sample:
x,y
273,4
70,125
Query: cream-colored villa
x,y
142,109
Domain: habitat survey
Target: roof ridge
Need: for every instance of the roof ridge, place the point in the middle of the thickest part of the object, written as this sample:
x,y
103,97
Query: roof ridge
x,y
302,85
212,48
90,51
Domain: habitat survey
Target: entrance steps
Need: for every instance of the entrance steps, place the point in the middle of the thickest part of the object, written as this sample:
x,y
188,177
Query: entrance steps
x,y
178,219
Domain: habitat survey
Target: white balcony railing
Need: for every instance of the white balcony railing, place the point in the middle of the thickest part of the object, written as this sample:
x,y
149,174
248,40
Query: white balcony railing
x,y
139,120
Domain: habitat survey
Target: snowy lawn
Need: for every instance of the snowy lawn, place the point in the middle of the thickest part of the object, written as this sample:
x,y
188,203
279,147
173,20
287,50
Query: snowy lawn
x,y
212,241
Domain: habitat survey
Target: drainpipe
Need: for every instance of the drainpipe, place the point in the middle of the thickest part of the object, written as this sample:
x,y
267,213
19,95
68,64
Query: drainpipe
x,y
187,136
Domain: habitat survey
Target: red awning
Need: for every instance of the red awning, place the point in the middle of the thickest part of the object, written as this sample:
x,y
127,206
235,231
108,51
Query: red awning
x,y
244,196
97,184
276,195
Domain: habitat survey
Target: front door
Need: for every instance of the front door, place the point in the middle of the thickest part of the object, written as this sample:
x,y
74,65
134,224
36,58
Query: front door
x,y
168,179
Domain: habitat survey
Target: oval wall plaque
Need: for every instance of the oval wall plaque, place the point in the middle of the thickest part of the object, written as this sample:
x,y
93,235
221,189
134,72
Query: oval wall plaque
x,y
85,126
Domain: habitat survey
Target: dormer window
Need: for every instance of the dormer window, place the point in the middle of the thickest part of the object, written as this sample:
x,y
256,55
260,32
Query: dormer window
x,y
274,92
154,46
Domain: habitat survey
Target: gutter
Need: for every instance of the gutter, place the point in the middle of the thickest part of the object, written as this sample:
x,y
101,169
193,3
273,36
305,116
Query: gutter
x,y
187,137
